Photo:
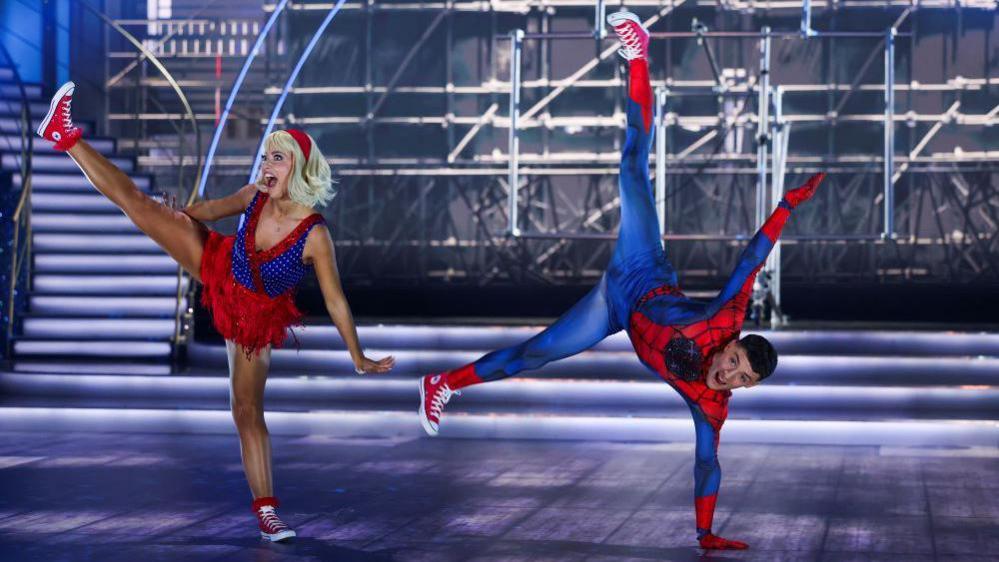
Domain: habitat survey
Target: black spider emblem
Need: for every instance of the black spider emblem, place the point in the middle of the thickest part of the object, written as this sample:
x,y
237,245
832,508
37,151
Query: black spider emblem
x,y
683,358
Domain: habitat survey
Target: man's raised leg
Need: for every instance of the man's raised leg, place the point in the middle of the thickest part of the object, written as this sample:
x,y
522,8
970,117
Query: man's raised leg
x,y
582,327
639,231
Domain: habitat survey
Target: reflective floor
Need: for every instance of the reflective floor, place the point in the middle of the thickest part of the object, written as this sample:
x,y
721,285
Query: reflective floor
x,y
149,497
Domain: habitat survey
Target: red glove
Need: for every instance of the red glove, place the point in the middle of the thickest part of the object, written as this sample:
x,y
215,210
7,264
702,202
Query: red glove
x,y
710,541
804,193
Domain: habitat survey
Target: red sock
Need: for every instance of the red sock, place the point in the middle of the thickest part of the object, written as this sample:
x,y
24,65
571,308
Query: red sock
x,y
640,90
460,378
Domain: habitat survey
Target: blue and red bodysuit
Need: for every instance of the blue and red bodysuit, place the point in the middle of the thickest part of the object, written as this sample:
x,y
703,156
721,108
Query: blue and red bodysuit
x,y
673,335
250,292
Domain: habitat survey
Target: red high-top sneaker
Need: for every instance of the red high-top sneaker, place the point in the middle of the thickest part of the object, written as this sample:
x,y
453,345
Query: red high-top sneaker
x,y
271,526
633,36
58,123
434,394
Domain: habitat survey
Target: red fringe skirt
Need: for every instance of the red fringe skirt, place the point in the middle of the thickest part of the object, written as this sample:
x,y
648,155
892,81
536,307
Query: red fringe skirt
x,y
251,319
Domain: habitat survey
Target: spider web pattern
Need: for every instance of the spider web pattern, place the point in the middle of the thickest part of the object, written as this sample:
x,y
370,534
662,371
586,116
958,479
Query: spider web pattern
x,y
709,335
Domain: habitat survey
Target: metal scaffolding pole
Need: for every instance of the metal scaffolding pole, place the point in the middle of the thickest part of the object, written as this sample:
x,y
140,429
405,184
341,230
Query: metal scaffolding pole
x,y
599,15
806,19
661,94
781,134
513,179
762,126
889,144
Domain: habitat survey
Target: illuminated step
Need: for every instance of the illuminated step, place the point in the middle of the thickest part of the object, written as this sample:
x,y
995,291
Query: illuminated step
x,y
56,162
790,342
86,202
624,365
41,181
88,348
104,306
12,107
13,124
90,243
12,91
98,328
113,285
96,367
525,397
373,423
104,263
70,222
12,143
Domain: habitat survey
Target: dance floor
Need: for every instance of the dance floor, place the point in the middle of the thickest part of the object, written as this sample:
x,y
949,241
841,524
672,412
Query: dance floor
x,y
144,497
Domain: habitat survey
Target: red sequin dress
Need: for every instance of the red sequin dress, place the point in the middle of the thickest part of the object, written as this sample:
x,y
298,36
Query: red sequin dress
x,y
251,293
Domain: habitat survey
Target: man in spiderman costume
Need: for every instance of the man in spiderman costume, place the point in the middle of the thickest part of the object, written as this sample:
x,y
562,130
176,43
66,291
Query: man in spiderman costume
x,y
692,345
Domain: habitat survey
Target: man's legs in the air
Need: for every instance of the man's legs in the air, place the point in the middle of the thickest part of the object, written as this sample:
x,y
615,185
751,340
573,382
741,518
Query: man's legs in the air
x,y
638,249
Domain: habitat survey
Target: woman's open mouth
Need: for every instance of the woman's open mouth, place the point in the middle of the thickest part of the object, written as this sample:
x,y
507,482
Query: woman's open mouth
x,y
270,180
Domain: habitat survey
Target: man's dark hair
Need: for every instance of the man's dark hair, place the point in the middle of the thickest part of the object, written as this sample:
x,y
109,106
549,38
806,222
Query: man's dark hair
x,y
762,356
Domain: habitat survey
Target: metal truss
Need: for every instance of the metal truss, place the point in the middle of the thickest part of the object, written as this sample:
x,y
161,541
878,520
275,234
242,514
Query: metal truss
x,y
429,119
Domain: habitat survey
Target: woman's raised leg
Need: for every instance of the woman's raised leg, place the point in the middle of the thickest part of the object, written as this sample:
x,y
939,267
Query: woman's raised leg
x,y
182,237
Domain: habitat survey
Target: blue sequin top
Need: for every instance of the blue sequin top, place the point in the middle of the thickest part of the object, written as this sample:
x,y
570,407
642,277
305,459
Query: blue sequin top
x,y
278,269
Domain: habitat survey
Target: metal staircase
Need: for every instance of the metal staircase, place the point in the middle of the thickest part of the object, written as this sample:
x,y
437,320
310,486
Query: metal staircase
x,y
100,290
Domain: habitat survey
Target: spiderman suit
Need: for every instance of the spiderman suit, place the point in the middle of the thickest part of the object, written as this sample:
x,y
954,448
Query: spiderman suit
x,y
673,335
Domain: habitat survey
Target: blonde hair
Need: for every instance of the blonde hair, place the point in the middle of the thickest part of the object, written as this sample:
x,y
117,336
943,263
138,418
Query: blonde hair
x,y
311,183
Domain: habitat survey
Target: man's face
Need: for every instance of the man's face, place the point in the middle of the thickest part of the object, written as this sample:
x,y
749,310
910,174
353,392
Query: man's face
x,y
730,369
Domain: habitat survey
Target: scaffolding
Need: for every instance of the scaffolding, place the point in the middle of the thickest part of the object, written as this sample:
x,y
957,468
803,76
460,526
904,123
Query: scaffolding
x,y
478,142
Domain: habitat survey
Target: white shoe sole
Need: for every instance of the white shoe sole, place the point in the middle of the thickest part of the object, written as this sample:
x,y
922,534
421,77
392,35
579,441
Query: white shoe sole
x,y
424,421
616,18
278,537
53,105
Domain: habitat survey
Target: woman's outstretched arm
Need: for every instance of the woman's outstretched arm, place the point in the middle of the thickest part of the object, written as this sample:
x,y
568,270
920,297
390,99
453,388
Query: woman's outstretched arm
x,y
320,252
208,210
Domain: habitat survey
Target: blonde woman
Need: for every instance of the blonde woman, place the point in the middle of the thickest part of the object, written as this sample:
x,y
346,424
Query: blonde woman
x,y
249,279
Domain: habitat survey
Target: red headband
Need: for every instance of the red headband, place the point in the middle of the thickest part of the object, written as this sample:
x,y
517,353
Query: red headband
x,y
303,140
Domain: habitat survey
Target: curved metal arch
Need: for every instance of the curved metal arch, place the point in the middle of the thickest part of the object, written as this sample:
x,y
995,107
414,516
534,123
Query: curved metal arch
x,y
166,74
233,92
287,85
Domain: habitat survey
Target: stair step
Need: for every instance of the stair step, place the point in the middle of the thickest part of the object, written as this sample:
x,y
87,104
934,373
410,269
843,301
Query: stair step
x,y
94,243
623,365
406,425
520,397
80,223
113,285
46,182
13,125
74,222
77,202
90,348
98,328
90,367
12,108
11,91
12,143
56,163
812,342
103,306
104,263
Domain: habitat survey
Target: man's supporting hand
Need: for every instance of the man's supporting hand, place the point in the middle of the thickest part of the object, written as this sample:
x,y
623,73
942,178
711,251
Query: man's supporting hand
x,y
710,541
804,193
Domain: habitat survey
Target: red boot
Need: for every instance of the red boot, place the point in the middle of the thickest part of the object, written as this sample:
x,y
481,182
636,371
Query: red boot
x,y
633,36
271,526
58,123
434,394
